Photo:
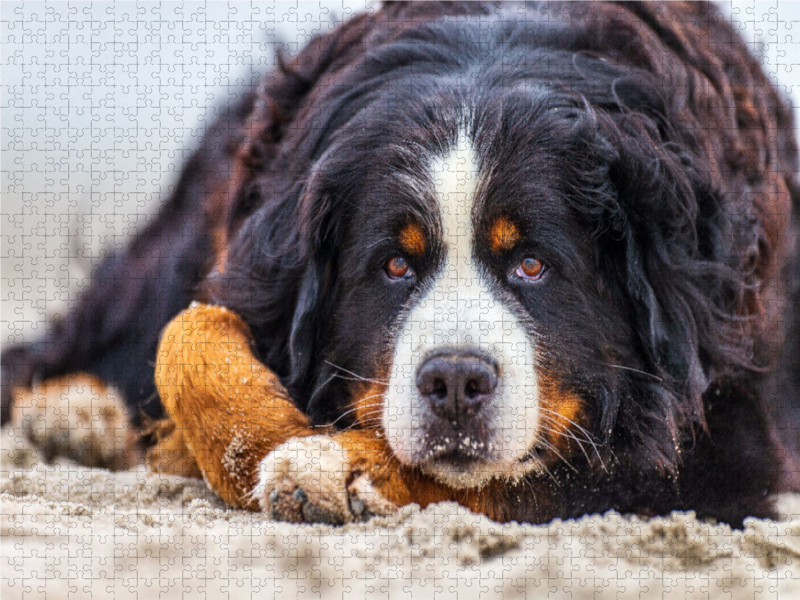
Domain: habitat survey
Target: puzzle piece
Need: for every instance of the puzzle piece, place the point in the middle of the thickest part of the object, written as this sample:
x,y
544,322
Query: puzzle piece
x,y
103,105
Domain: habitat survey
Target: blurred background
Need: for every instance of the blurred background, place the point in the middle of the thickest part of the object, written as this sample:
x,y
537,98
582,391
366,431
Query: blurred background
x,y
102,103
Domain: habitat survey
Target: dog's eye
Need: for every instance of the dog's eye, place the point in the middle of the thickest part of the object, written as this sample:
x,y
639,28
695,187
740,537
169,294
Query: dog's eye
x,y
397,267
530,268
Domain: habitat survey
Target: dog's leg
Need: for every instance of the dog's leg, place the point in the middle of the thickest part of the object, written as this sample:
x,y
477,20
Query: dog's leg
x,y
344,476
229,409
170,455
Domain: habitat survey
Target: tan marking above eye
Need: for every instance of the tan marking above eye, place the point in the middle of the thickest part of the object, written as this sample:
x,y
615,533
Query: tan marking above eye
x,y
412,239
503,235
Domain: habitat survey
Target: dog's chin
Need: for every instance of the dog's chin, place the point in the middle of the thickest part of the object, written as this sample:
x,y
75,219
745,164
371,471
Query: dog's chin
x,y
465,472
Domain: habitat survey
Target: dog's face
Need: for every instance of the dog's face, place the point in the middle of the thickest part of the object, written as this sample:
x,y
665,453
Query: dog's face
x,y
467,285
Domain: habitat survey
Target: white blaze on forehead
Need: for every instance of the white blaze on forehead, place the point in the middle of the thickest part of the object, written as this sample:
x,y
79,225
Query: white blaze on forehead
x,y
460,311
455,179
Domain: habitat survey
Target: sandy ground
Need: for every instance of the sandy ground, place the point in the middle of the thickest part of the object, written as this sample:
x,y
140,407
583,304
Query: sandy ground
x,y
71,532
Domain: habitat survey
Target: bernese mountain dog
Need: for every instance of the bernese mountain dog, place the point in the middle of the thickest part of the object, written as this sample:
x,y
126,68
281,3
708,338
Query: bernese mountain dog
x,y
540,259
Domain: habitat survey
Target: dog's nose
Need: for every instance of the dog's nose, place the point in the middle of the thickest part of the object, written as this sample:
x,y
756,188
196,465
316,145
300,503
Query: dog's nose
x,y
457,385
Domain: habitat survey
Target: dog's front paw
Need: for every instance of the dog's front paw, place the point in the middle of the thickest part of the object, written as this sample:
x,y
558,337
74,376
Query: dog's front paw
x,y
310,480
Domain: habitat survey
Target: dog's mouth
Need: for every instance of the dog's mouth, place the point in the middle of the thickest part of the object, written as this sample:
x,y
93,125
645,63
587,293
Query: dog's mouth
x,y
459,470
456,447
464,472
465,465
458,461
461,459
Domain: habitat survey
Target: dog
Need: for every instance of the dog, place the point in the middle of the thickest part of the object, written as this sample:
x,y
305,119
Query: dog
x,y
540,259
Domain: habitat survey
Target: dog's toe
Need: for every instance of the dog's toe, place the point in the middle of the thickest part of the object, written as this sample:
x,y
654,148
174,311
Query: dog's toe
x,y
310,480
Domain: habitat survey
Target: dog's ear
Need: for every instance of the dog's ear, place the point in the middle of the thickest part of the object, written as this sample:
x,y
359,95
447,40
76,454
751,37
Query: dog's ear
x,y
303,337
684,295
321,222
275,108
310,376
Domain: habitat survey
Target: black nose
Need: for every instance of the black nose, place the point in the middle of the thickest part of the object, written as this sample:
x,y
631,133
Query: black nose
x,y
456,385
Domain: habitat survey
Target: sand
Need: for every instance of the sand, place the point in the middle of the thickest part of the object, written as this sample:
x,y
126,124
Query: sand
x,y
72,532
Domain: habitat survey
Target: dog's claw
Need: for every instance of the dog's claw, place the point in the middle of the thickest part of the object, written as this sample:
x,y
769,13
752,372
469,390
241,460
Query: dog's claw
x,y
309,480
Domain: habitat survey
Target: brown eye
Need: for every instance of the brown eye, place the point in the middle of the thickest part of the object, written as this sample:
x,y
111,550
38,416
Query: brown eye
x,y
397,268
530,268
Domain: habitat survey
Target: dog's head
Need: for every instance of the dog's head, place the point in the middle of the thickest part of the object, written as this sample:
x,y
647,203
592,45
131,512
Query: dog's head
x,y
503,251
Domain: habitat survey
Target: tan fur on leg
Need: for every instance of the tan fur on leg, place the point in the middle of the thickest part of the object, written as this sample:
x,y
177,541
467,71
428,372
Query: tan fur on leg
x,y
170,454
230,410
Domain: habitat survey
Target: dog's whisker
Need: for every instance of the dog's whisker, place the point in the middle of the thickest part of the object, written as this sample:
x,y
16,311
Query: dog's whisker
x,y
359,377
322,387
365,417
569,434
552,448
373,421
376,242
341,416
370,407
371,413
656,377
588,436
373,408
371,404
